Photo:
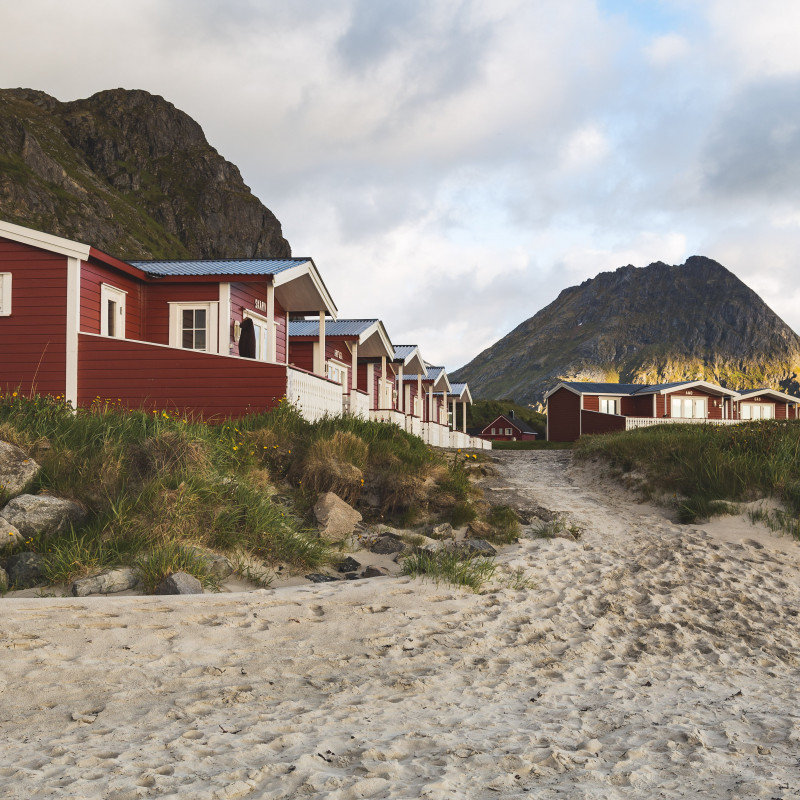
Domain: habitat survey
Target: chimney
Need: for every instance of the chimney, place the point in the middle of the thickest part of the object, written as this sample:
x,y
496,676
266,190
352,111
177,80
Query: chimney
x,y
511,415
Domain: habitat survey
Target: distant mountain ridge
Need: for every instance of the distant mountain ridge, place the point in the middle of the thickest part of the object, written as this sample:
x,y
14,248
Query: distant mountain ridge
x,y
654,324
127,172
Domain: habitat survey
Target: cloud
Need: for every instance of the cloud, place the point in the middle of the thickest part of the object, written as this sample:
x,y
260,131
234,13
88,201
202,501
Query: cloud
x,y
665,50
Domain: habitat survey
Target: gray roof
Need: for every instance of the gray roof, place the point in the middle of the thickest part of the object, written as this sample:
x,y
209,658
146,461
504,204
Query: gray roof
x,y
516,422
219,266
403,351
339,327
433,372
457,388
606,388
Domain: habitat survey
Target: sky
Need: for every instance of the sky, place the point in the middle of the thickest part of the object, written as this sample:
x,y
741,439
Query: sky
x,y
452,165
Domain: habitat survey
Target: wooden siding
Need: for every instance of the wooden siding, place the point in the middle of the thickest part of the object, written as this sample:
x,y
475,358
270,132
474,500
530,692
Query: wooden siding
x,y
158,296
591,402
33,352
93,274
301,355
563,416
142,375
593,422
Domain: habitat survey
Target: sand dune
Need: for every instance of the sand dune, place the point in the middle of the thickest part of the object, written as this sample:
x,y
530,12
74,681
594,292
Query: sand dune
x,y
648,660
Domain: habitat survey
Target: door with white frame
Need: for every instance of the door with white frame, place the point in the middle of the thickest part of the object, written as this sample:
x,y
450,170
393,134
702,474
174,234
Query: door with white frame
x,y
112,311
262,332
688,407
758,411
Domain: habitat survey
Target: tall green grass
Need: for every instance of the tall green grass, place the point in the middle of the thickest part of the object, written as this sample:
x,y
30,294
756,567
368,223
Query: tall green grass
x,y
703,466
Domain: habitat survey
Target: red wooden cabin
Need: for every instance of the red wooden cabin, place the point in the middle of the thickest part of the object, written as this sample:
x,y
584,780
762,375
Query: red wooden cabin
x,y
756,404
77,322
508,428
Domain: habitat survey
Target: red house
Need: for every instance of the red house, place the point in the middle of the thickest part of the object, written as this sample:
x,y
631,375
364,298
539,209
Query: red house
x,y
766,404
577,408
508,428
77,322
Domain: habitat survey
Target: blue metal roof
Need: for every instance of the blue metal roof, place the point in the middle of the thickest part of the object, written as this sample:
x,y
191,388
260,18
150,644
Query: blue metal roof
x,y
340,327
219,266
457,388
605,388
403,351
434,372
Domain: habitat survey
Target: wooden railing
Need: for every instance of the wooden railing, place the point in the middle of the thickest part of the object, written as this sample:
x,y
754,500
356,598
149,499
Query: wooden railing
x,y
388,415
313,395
632,423
357,404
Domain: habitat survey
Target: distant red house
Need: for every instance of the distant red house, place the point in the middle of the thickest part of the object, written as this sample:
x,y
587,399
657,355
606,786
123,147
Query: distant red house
x,y
77,322
507,428
578,408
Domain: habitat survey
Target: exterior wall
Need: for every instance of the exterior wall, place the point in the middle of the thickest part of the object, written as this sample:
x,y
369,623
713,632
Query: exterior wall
x,y
33,352
591,402
158,296
563,416
94,274
593,422
142,375
337,349
712,411
641,406
301,354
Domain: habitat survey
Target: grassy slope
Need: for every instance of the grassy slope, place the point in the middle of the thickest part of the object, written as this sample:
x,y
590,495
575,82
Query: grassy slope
x,y
703,466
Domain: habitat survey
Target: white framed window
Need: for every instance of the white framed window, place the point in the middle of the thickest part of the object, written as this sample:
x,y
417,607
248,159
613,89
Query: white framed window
x,y
758,411
338,372
688,407
112,311
193,326
493,432
508,431
5,294
609,405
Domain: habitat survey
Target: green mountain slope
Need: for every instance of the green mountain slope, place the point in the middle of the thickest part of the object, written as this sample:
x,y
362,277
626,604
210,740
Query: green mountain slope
x,y
129,173
654,324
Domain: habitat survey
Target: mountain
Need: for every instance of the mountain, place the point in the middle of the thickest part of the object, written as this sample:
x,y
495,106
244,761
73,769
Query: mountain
x,y
643,325
127,172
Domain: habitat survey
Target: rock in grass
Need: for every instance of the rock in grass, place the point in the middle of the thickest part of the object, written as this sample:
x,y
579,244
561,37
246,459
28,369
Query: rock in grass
x,y
42,515
114,580
348,565
443,531
318,577
218,566
25,570
336,519
9,535
16,469
479,530
386,544
180,583
477,547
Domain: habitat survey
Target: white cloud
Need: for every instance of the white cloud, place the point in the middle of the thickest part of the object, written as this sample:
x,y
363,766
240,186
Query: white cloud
x,y
584,148
666,49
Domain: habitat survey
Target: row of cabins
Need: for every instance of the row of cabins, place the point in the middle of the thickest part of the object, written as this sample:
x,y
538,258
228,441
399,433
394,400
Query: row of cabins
x,y
216,338
578,408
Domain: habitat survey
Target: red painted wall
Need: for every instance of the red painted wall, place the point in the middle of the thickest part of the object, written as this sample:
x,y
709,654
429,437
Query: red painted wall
x,y
563,416
157,297
93,274
592,422
591,402
301,354
33,351
146,376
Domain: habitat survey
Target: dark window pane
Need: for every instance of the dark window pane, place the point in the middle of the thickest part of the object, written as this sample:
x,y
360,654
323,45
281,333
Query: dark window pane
x,y
188,340
188,318
112,318
200,340
200,318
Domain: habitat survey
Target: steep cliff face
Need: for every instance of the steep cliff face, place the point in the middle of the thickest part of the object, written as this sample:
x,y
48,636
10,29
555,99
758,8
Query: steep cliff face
x,y
128,173
658,323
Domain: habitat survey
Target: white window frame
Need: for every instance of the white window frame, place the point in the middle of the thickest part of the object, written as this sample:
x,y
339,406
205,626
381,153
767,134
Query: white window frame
x,y
605,404
337,372
212,324
111,294
261,323
509,432
693,403
5,294
748,408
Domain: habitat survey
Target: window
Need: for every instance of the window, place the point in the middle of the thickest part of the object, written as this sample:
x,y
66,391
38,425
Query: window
x,y
193,326
492,431
609,405
338,372
758,411
5,294
508,431
688,407
112,311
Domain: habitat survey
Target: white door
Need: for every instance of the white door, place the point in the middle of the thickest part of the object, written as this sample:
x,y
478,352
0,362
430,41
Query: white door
x,y
112,311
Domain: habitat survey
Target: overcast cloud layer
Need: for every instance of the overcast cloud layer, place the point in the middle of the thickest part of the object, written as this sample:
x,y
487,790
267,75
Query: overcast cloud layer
x,y
452,165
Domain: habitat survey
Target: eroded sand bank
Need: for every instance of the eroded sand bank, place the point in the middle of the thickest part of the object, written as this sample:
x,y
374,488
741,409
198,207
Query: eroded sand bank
x,y
648,660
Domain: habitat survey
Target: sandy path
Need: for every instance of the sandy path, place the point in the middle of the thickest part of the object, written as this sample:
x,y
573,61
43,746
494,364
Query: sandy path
x,y
647,661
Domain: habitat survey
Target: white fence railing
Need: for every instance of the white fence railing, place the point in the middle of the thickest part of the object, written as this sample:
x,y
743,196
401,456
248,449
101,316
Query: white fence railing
x,y
414,426
388,415
357,404
312,395
645,422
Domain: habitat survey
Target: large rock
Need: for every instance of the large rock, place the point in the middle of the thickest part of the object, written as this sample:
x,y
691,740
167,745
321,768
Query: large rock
x,y
477,547
387,544
25,570
3,580
42,515
337,520
218,566
16,469
180,583
9,535
114,580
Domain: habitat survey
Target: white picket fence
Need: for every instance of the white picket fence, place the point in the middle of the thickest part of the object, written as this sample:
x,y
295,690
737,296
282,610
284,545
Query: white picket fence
x,y
313,396
357,404
645,422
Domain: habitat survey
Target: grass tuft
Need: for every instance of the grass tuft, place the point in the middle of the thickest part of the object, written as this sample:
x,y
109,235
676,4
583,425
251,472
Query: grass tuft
x,y
450,566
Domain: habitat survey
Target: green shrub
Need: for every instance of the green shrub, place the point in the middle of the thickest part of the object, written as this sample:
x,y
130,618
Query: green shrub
x,y
450,566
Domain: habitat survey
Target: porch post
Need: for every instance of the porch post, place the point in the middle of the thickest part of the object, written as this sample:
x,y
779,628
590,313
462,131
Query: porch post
x,y
383,381
371,384
73,327
272,345
321,357
355,365
453,413
430,403
419,396
464,404
401,398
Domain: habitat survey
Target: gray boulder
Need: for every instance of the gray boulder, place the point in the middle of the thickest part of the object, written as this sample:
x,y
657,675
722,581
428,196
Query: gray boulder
x,y
336,519
443,531
375,572
42,514
388,543
180,583
16,469
477,547
217,565
25,570
9,535
3,580
114,580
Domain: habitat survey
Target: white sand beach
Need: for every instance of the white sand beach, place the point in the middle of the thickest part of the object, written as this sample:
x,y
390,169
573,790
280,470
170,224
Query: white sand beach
x,y
647,660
